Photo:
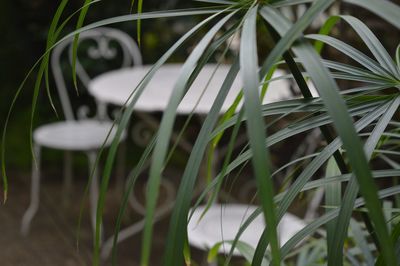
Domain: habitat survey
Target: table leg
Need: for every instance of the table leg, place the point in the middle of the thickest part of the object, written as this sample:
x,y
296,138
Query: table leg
x,y
94,191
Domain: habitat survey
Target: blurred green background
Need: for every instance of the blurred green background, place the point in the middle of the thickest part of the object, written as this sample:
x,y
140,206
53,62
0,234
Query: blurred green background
x,y
23,27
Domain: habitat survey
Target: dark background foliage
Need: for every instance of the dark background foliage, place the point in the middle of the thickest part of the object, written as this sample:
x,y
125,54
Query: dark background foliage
x,y
24,26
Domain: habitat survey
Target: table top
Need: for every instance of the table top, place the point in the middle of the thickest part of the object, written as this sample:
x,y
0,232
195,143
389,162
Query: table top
x,y
114,87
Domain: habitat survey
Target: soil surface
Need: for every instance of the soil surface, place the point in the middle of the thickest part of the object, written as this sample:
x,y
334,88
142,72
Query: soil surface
x,y
52,240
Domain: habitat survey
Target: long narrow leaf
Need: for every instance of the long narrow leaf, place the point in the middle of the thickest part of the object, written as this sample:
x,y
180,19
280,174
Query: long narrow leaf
x,y
387,10
333,194
79,25
51,38
255,128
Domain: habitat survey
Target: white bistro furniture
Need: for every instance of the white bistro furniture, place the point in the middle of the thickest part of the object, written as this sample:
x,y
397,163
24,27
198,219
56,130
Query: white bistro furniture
x,y
78,132
115,87
222,222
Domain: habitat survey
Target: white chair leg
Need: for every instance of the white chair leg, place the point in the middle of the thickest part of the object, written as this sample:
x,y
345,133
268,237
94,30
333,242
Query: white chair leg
x,y
124,234
138,226
94,192
35,193
67,177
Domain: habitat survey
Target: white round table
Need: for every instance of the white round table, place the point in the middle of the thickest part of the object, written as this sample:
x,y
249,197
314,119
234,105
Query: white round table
x,y
114,87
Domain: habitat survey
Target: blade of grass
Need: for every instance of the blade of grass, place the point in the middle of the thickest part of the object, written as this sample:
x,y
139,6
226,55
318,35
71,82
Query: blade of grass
x,y
343,76
220,2
356,71
325,30
283,3
388,212
51,38
385,9
398,56
7,120
79,25
213,252
333,195
255,128
248,252
139,22
395,235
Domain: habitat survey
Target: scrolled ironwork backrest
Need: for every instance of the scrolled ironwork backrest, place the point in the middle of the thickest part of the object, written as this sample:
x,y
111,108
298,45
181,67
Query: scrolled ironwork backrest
x,y
101,38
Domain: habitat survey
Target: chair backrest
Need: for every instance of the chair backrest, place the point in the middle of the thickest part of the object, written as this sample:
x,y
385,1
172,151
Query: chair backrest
x,y
102,44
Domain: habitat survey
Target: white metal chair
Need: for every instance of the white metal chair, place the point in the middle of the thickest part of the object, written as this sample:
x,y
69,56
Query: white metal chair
x,y
222,223
79,132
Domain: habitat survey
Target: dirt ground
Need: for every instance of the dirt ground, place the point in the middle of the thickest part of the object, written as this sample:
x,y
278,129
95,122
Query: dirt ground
x,y
52,239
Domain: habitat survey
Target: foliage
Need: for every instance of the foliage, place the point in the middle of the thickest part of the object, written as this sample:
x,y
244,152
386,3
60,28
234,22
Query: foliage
x,y
358,124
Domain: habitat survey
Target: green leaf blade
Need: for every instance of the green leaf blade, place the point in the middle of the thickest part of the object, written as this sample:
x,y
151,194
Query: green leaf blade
x,y
255,126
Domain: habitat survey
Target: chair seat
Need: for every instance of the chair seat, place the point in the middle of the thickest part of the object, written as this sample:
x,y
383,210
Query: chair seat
x,y
228,218
80,135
